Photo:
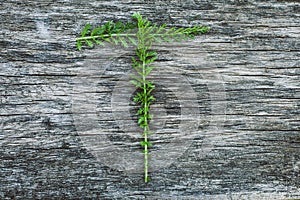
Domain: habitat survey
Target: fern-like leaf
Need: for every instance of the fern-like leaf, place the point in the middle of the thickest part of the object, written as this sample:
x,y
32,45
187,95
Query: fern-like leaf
x,y
85,30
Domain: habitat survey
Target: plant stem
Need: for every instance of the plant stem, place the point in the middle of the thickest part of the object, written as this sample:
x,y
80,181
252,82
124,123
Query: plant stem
x,y
106,36
153,35
146,128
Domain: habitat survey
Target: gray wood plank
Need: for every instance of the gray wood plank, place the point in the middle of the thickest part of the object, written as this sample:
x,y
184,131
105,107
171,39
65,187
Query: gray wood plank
x,y
226,119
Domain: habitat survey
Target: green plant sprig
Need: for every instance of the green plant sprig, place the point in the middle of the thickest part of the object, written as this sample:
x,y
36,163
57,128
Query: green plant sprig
x,y
141,33
123,33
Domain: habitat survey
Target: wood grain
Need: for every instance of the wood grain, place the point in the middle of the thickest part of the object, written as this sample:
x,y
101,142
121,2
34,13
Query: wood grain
x,y
245,81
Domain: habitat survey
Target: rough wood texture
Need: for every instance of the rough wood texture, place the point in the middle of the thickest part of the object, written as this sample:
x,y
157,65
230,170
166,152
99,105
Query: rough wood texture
x,y
244,75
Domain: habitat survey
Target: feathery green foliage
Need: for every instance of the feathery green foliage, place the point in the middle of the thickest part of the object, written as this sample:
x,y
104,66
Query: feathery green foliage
x,y
140,33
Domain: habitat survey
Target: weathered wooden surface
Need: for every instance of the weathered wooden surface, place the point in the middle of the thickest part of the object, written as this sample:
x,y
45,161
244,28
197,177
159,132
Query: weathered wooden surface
x,y
245,78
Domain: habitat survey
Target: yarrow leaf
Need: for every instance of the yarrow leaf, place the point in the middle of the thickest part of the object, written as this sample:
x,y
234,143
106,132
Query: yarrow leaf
x,y
140,33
